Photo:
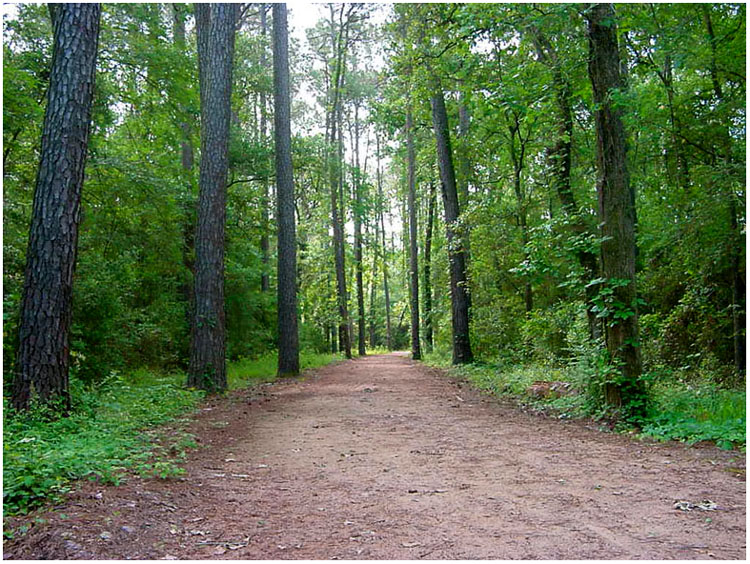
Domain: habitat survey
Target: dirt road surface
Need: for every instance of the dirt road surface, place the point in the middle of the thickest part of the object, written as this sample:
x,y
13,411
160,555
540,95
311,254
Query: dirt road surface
x,y
382,458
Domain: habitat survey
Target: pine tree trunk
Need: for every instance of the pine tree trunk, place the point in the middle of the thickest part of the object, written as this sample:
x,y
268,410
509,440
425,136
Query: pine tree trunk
x,y
215,25
358,240
43,357
373,281
460,298
427,284
287,245
386,290
416,350
616,205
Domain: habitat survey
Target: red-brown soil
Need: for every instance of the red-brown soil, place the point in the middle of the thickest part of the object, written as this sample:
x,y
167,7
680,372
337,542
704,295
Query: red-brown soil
x,y
382,458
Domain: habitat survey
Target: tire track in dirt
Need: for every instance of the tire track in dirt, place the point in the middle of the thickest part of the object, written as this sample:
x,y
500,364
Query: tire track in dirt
x,y
382,458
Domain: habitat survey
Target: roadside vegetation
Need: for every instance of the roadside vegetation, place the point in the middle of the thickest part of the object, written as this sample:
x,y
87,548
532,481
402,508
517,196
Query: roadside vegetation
x,y
690,407
127,424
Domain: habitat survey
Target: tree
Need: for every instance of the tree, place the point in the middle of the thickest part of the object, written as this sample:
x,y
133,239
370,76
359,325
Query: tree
x,y
460,298
416,351
287,245
215,26
43,358
427,284
616,209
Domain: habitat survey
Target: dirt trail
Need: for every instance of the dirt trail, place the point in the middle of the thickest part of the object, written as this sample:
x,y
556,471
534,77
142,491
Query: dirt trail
x,y
382,458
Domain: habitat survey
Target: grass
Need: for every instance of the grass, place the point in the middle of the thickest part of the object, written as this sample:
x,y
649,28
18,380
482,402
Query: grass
x,y
677,411
246,372
115,428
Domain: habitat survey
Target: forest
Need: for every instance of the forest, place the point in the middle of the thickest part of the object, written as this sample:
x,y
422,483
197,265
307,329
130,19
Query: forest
x,y
547,200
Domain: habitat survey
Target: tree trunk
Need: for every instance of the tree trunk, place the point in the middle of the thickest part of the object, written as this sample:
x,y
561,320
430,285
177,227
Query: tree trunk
x,y
358,239
460,298
43,357
386,292
215,26
339,43
416,350
287,244
373,281
427,284
264,198
616,209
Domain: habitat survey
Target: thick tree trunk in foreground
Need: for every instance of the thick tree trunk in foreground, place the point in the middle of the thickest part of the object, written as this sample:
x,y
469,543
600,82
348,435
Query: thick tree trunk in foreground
x,y
616,207
416,350
287,245
460,299
427,284
43,356
215,24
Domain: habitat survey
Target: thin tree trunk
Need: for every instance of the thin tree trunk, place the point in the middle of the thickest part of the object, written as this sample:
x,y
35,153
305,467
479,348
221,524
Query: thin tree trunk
x,y
381,200
287,244
460,297
427,284
215,26
416,350
43,358
616,208
358,238
373,283
335,182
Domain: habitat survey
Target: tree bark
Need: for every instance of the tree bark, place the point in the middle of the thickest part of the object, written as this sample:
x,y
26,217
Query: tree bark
x,y
460,298
358,239
616,208
43,358
287,245
215,26
416,350
386,290
339,46
427,284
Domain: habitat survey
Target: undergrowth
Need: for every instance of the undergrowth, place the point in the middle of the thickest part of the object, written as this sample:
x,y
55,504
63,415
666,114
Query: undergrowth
x,y
676,410
114,428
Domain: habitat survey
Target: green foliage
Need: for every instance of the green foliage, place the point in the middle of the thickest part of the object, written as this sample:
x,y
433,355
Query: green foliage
x,y
247,371
110,430
692,414
677,411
